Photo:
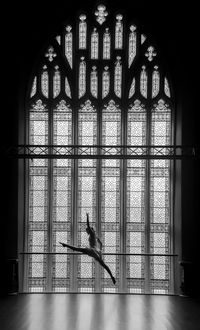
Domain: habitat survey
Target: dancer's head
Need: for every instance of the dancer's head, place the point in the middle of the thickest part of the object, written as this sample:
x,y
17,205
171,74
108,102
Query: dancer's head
x,y
88,230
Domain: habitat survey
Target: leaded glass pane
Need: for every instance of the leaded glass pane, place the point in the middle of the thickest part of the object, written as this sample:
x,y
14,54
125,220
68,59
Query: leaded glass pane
x,y
45,82
143,82
61,226
110,196
160,179
87,190
132,89
82,77
136,124
132,45
58,38
151,53
87,124
94,82
161,124
143,38
38,201
119,32
67,88
94,44
167,89
34,87
155,82
101,14
106,45
111,118
50,54
38,124
62,198
56,82
135,200
118,77
62,124
110,213
105,82
68,45
82,32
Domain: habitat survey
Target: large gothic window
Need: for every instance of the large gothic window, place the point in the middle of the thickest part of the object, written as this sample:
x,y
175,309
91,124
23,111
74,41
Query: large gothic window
x,y
98,92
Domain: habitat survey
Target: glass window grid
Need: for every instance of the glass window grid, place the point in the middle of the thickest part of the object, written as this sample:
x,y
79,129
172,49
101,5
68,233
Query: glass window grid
x,y
162,213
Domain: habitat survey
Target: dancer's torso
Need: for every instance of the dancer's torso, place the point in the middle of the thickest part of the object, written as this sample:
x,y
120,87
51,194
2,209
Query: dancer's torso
x,y
92,239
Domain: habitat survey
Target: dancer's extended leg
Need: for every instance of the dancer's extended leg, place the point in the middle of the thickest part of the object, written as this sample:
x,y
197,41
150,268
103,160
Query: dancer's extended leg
x,y
102,263
74,248
91,253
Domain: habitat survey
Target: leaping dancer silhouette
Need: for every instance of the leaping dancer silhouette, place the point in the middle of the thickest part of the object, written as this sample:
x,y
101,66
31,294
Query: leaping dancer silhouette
x,y
92,250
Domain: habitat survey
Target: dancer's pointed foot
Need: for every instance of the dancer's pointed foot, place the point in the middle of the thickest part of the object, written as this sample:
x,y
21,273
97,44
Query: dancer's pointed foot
x,y
63,244
114,280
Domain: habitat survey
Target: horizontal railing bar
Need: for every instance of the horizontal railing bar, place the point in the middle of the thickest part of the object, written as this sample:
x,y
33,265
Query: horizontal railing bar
x,y
105,146
115,254
100,157
103,151
51,156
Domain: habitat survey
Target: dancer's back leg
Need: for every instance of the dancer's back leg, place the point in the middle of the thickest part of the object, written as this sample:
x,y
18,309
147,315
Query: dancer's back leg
x,y
91,253
102,263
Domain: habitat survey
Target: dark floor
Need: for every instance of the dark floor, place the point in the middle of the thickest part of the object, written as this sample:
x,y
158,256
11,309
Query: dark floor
x,y
98,312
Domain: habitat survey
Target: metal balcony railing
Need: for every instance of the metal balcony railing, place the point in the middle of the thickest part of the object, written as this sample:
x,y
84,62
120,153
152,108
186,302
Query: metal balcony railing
x,y
102,151
141,273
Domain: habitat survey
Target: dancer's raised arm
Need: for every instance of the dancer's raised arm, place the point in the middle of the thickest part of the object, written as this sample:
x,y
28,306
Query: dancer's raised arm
x,y
88,224
100,243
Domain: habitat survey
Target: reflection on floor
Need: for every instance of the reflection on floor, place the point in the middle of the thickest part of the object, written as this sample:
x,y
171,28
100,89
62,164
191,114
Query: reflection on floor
x,y
98,312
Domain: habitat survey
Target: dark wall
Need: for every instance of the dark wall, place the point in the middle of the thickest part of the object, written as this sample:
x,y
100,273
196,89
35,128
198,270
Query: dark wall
x,y
28,27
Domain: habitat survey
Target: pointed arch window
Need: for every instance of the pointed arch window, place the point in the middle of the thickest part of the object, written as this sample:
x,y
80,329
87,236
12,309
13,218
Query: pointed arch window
x,y
82,32
143,82
119,32
105,82
82,77
132,44
45,81
34,87
167,89
136,197
94,44
118,77
56,82
94,82
67,88
106,44
97,108
68,45
155,82
132,88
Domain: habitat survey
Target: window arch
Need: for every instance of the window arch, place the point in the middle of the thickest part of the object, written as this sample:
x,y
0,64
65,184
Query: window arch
x,y
102,93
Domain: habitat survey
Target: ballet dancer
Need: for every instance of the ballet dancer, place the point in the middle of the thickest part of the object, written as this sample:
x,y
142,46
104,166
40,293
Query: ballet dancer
x,y
93,250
